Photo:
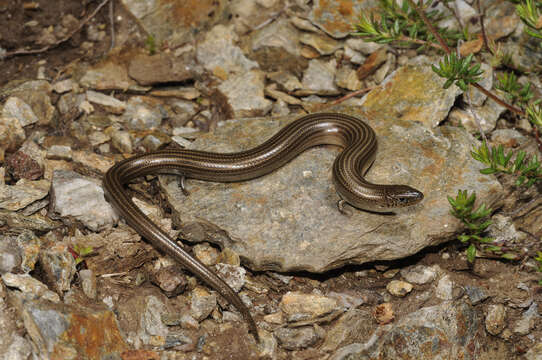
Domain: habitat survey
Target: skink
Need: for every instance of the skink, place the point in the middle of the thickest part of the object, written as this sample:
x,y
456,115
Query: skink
x,y
356,138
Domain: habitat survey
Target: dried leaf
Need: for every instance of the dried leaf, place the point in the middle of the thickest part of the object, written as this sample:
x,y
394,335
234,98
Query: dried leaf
x,y
471,47
383,314
372,63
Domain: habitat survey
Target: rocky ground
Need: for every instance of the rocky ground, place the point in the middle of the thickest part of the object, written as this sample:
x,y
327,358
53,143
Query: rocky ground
x,y
87,83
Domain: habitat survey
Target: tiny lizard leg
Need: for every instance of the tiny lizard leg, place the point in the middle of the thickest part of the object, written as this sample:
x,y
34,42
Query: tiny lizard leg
x,y
340,205
182,185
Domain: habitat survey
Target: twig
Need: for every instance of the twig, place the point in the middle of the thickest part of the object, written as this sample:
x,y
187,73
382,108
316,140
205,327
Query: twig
x,y
112,24
114,274
430,27
455,13
538,139
529,206
482,27
351,95
499,101
322,106
470,107
420,42
66,38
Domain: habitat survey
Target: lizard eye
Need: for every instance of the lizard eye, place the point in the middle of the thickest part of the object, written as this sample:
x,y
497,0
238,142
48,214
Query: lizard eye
x,y
405,196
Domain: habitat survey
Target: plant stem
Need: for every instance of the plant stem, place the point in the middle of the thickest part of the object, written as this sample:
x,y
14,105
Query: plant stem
x,y
482,27
420,42
350,95
495,98
538,139
430,27
448,50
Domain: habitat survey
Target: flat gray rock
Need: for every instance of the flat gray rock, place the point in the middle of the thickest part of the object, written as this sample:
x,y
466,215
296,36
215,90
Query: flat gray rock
x,y
445,331
56,328
15,107
288,220
82,197
218,52
245,94
23,193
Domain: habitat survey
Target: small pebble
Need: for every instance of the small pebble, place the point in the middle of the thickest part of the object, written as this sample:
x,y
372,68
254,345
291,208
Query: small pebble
x,y
495,319
398,288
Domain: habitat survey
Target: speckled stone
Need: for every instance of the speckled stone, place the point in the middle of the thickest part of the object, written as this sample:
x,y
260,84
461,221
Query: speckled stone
x,y
412,93
445,331
336,17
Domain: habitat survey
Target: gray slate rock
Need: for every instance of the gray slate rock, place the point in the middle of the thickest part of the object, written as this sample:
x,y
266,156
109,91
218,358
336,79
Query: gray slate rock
x,y
56,330
109,75
445,331
245,94
23,193
88,283
10,255
488,114
81,197
354,326
233,275
288,220
202,304
299,306
296,338
36,95
419,274
476,294
276,46
142,113
160,68
151,319
217,51
15,107
29,286
58,265
12,345
528,320
11,134
110,102
248,15
319,77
